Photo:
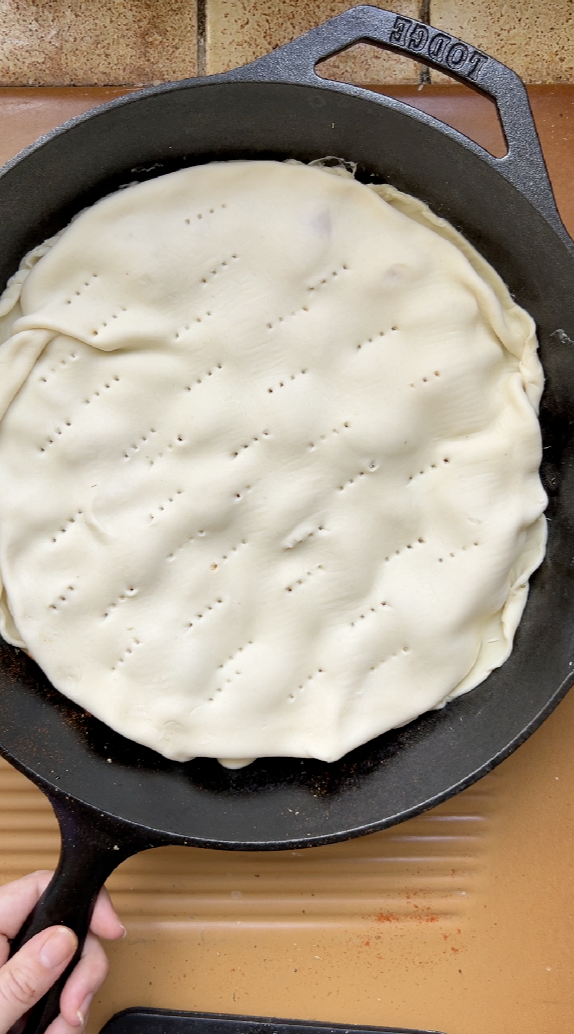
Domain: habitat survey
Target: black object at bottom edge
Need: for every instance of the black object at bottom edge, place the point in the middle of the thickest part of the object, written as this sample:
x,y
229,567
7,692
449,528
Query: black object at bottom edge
x,y
162,1021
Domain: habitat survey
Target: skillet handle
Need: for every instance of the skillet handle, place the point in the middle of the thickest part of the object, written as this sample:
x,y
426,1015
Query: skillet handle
x,y
92,847
523,165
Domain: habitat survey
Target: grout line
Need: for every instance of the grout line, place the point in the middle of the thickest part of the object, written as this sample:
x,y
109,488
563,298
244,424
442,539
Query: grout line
x,y
201,7
424,16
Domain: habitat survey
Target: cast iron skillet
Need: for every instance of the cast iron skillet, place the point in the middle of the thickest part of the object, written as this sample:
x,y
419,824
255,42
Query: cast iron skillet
x,y
114,798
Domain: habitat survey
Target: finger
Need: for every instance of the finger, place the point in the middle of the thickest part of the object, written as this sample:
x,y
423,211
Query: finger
x,y
17,900
32,971
105,922
61,1026
84,982
87,978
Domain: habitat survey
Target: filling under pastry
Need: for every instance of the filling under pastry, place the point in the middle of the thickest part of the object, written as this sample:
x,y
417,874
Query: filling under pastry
x,y
269,460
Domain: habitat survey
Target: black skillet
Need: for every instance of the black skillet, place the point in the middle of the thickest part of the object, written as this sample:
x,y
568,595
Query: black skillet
x,y
114,798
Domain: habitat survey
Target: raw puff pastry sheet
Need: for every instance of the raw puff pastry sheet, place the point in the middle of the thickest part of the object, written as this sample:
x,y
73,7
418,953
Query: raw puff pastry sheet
x,y
269,459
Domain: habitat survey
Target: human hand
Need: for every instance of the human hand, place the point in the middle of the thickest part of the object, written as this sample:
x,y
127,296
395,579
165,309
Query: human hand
x,y
25,978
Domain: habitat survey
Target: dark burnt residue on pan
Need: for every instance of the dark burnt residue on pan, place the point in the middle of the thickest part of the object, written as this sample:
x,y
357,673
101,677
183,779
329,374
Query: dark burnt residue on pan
x,y
17,666
320,778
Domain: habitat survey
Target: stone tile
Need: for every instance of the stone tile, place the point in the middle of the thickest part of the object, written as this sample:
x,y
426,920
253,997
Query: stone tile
x,y
27,112
96,42
536,39
237,31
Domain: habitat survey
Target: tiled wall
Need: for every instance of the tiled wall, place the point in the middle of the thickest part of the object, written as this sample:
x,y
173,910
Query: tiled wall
x,y
112,42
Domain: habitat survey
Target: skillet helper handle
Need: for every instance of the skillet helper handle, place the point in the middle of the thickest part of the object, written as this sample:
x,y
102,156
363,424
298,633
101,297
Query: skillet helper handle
x,y
523,165
91,850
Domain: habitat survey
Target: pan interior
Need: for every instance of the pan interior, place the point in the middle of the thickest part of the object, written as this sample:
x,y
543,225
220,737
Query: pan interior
x,y
285,802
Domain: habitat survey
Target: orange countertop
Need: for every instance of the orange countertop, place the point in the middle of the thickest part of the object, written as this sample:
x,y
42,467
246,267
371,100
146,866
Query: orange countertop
x,y
461,920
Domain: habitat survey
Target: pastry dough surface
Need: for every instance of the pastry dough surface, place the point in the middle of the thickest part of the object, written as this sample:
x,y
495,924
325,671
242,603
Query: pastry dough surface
x,y
269,459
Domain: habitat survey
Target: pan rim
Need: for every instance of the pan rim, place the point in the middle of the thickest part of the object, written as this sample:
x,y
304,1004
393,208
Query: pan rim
x,y
53,790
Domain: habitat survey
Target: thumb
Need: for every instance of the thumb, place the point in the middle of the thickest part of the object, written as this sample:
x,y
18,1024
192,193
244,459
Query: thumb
x,y
26,977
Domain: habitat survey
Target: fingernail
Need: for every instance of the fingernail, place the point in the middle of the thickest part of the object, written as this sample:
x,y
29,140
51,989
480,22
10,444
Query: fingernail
x,y
83,1010
124,932
59,946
